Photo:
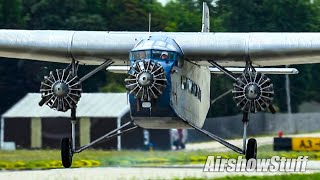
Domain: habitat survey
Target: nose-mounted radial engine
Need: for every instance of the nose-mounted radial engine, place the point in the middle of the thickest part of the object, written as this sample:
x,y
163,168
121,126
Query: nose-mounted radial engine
x,y
146,80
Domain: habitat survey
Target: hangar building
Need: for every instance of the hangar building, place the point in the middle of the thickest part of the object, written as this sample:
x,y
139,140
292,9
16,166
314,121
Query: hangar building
x,y
31,126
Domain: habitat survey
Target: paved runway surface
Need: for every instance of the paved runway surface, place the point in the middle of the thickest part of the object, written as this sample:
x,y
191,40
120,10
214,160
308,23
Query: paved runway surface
x,y
217,147
133,173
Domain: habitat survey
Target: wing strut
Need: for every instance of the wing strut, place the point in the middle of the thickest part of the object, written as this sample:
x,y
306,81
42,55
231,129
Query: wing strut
x,y
218,139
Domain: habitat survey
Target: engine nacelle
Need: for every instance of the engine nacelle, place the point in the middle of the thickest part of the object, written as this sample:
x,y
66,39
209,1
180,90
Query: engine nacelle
x,y
61,90
253,92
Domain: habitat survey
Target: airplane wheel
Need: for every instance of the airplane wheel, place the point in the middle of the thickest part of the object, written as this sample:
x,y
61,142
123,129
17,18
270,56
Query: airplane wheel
x,y
251,151
66,152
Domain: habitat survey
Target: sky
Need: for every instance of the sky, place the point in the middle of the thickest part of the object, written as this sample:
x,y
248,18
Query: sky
x,y
163,1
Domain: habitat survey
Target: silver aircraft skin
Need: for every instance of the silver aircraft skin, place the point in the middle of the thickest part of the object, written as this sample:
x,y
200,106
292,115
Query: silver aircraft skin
x,y
230,49
168,74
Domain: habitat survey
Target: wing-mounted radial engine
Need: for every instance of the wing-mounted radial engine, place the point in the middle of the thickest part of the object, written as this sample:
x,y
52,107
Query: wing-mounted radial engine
x,y
62,89
252,92
146,80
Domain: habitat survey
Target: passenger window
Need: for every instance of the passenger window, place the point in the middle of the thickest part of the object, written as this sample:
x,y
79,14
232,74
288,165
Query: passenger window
x,y
183,82
190,85
199,94
194,89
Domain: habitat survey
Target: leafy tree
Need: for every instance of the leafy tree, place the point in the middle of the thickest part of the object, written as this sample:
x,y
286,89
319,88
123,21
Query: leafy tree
x,y
19,77
277,16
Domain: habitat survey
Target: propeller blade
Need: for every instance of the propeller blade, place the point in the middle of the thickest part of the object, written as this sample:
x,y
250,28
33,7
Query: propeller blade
x,y
271,108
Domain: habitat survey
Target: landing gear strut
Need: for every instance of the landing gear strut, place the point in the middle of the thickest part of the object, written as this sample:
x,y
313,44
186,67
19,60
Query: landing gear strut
x,y
67,149
61,91
253,92
250,148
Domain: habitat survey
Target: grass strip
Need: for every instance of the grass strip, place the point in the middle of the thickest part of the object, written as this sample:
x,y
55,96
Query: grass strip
x,y
41,158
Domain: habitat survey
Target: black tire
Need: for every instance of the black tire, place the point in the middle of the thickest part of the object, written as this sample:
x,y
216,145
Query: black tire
x,y
66,152
251,151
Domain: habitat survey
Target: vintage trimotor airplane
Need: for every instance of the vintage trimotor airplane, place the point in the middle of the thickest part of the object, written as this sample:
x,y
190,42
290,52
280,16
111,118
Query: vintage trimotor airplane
x,y
168,74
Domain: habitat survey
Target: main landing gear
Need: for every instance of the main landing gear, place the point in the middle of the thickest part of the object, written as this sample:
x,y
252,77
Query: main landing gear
x,y
68,148
61,91
253,92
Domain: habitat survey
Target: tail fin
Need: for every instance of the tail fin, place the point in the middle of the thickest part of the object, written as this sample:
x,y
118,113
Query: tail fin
x,y
205,18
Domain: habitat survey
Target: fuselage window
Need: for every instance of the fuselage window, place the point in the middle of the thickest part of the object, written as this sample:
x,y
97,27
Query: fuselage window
x,y
199,93
191,87
183,82
194,89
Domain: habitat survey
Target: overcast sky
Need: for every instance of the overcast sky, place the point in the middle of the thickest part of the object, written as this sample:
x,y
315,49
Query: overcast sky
x,y
163,1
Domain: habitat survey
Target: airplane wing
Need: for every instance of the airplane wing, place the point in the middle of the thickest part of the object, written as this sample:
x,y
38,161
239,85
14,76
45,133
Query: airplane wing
x,y
93,47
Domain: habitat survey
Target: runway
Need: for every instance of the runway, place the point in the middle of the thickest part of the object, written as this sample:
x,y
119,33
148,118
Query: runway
x,y
217,147
169,172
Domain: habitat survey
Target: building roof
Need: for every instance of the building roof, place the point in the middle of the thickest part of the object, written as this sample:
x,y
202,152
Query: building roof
x,y
106,105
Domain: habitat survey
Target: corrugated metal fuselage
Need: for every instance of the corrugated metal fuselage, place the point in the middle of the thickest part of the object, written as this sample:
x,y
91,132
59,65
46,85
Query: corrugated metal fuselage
x,y
185,96
161,115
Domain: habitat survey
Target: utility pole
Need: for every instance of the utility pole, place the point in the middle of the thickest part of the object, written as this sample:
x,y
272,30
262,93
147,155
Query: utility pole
x,y
289,110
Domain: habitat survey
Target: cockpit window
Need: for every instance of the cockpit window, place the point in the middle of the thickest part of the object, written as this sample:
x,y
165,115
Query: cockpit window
x,y
153,54
137,55
163,55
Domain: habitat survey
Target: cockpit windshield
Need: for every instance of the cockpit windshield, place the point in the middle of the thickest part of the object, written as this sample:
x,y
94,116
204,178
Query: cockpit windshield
x,y
153,54
163,55
138,55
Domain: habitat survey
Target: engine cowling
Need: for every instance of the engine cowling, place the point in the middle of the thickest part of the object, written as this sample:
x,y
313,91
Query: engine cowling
x,y
253,92
61,90
146,80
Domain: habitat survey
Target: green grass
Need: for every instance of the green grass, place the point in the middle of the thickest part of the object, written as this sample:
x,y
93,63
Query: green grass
x,y
142,158
276,177
41,158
